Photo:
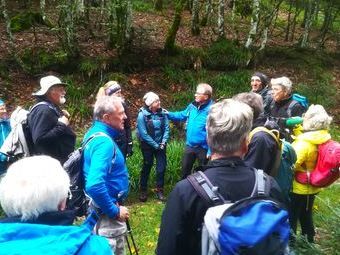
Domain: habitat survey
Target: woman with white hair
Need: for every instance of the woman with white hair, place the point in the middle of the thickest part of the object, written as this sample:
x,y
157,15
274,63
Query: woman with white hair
x,y
283,105
316,123
33,196
153,132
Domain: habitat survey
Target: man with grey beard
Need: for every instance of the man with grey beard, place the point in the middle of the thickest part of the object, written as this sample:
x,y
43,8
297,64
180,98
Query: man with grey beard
x,y
48,123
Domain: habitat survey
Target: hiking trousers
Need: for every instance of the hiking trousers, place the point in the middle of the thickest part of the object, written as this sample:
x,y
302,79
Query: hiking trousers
x,y
301,210
114,231
149,153
189,156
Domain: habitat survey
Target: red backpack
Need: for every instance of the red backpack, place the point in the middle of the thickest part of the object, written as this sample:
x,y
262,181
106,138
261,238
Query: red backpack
x,y
326,170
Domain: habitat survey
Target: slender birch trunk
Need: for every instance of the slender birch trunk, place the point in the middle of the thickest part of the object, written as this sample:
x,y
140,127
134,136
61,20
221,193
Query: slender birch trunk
x,y
220,21
254,23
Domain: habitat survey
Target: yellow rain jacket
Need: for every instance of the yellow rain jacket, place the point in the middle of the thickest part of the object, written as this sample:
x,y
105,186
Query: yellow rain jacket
x,y
306,148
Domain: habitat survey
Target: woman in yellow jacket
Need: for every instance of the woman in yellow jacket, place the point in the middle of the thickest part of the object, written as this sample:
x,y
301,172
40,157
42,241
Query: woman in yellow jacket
x,y
316,122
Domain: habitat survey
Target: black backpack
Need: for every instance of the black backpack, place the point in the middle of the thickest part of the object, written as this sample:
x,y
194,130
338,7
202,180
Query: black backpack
x,y
74,167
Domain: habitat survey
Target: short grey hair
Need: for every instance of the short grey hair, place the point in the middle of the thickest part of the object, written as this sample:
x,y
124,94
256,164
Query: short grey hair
x,y
105,104
229,123
207,88
284,82
252,99
316,118
32,186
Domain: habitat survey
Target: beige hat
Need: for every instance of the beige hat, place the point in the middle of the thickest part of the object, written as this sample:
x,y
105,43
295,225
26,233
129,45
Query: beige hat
x,y
46,83
150,97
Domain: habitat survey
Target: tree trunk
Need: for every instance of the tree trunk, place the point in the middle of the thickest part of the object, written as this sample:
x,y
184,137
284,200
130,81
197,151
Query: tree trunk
x,y
296,15
289,20
169,45
67,20
254,22
120,25
158,5
195,29
308,24
220,21
327,22
42,9
268,20
208,10
10,37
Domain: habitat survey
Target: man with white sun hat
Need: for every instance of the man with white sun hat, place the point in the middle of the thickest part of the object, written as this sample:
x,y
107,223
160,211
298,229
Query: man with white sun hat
x,y
48,123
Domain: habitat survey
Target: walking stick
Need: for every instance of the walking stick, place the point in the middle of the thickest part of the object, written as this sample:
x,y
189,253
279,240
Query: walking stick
x,y
132,239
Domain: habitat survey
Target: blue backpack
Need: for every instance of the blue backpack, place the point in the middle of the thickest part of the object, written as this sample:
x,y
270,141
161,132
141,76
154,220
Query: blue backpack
x,y
254,225
302,100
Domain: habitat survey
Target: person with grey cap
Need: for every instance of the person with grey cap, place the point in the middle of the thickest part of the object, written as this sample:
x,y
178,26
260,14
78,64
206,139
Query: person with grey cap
x,y
48,123
153,132
259,84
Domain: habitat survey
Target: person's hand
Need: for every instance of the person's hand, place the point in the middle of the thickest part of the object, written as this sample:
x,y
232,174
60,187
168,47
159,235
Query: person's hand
x,y
123,213
162,146
66,113
64,120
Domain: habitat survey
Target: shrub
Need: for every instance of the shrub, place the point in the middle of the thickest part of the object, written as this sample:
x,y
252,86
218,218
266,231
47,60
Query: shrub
x,y
225,55
173,169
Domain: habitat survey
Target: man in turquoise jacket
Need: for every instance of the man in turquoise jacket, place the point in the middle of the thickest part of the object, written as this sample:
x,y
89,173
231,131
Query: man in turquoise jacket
x,y
105,172
195,116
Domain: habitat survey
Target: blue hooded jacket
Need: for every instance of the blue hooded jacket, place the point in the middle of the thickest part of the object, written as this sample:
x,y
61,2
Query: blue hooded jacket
x,y
196,117
105,171
161,134
41,239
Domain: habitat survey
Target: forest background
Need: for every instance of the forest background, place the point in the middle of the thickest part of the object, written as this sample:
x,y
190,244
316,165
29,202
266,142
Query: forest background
x,y
168,47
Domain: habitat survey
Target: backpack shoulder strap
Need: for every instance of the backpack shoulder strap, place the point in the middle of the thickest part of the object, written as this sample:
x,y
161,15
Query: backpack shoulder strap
x,y
261,186
43,103
205,189
275,134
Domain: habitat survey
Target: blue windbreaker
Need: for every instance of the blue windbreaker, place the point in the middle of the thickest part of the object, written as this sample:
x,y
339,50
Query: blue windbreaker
x,y
161,135
40,239
105,171
196,117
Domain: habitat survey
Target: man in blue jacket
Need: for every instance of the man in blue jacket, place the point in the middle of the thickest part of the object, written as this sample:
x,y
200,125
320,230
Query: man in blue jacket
x,y
195,116
106,175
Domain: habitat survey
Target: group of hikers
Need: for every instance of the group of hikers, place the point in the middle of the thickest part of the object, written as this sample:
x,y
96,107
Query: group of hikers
x,y
229,139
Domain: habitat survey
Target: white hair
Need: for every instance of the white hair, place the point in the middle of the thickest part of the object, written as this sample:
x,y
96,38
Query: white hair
x,y
207,88
32,186
316,118
284,82
105,104
229,123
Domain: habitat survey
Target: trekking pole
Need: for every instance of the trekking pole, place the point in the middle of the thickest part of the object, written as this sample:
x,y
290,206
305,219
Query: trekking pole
x,y
132,239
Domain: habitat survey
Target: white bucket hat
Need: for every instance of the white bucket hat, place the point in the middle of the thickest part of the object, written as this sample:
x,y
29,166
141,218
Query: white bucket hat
x,y
46,83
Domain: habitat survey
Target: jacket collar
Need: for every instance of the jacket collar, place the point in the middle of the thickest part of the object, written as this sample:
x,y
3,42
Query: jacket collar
x,y
63,218
202,106
106,128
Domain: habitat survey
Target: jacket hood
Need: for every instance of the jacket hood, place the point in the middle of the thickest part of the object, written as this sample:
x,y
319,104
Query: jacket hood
x,y
315,137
